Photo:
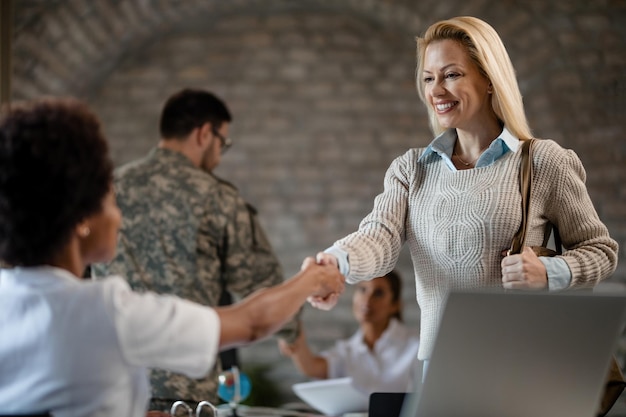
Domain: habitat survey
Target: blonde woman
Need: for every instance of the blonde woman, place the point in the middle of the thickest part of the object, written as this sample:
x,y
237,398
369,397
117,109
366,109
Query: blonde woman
x,y
456,202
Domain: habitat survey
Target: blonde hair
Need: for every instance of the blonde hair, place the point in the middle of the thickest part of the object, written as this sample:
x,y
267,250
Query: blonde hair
x,y
486,50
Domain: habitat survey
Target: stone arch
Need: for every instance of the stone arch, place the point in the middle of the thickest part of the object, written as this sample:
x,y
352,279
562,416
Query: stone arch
x,y
71,46
67,46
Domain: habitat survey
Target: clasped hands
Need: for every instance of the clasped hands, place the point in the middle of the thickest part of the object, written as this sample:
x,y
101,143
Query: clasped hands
x,y
330,300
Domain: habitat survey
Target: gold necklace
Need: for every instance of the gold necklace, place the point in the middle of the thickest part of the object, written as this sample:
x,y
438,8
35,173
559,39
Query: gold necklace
x,y
467,164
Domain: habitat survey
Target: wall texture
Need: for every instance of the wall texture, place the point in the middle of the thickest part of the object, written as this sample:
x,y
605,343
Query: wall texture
x,y
323,98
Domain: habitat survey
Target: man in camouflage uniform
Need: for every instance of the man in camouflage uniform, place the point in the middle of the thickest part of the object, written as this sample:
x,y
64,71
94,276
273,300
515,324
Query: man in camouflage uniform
x,y
186,232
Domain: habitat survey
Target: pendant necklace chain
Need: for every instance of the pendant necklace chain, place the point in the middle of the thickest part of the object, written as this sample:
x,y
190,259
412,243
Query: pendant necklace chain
x,y
467,164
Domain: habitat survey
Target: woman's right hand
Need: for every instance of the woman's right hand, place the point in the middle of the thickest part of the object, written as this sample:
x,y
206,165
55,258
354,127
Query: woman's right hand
x,y
329,280
324,258
328,302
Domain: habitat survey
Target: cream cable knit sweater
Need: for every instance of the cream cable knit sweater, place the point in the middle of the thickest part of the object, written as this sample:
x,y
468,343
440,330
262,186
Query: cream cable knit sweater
x,y
458,223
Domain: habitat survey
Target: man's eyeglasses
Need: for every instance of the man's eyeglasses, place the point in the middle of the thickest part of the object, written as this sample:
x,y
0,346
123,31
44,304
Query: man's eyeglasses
x,y
225,142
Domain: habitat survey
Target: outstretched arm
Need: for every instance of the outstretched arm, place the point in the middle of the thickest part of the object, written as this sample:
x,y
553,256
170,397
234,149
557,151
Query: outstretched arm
x,y
266,310
308,363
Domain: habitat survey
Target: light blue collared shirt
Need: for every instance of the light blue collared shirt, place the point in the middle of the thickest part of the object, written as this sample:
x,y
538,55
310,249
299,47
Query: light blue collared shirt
x,y
443,145
559,274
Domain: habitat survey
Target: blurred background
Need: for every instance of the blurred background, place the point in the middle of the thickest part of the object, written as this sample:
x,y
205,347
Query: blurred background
x,y
323,97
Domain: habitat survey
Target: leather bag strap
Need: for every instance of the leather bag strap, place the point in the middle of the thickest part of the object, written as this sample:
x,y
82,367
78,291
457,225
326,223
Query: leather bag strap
x,y
525,182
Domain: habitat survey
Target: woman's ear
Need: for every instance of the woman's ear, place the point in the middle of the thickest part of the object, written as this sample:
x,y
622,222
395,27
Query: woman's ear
x,y
82,230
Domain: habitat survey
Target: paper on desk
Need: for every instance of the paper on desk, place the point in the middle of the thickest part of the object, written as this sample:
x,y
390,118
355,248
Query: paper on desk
x,y
333,397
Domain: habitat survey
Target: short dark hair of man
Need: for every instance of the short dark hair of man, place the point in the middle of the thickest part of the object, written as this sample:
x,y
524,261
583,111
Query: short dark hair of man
x,y
189,109
55,171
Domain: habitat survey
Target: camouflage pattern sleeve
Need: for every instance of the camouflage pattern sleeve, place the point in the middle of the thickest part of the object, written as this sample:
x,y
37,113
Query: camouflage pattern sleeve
x,y
248,241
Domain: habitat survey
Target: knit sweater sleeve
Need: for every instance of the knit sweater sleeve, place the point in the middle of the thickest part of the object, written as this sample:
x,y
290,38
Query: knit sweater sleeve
x,y
590,252
374,248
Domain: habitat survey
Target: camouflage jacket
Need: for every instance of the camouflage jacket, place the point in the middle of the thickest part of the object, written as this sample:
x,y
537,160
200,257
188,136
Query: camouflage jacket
x,y
179,223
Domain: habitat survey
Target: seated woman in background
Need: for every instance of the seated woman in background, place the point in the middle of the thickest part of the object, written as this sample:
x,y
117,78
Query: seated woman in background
x,y
73,347
381,356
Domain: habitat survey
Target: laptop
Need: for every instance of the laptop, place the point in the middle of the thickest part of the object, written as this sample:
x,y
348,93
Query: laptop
x,y
520,354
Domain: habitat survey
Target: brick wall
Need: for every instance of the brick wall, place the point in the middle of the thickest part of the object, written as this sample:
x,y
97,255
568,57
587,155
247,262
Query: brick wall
x,y
323,98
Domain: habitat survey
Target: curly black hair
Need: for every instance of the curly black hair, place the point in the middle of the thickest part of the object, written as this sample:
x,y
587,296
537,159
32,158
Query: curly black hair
x,y
55,171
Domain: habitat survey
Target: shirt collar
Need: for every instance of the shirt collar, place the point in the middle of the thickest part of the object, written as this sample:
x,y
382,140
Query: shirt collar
x,y
389,333
37,277
171,156
443,145
511,141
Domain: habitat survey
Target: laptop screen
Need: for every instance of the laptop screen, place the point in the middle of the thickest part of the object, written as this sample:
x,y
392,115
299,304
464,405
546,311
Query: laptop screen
x,y
520,354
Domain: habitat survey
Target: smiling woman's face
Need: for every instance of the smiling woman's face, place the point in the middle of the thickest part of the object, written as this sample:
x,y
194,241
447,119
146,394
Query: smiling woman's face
x,y
454,86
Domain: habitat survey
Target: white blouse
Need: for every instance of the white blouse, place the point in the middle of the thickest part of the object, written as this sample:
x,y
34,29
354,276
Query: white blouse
x,y
81,348
390,367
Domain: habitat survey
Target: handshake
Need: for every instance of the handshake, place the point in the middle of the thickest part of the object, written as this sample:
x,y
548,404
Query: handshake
x,y
328,296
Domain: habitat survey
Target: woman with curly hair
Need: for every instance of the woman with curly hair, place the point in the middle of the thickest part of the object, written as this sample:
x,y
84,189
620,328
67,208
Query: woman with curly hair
x,y
74,347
